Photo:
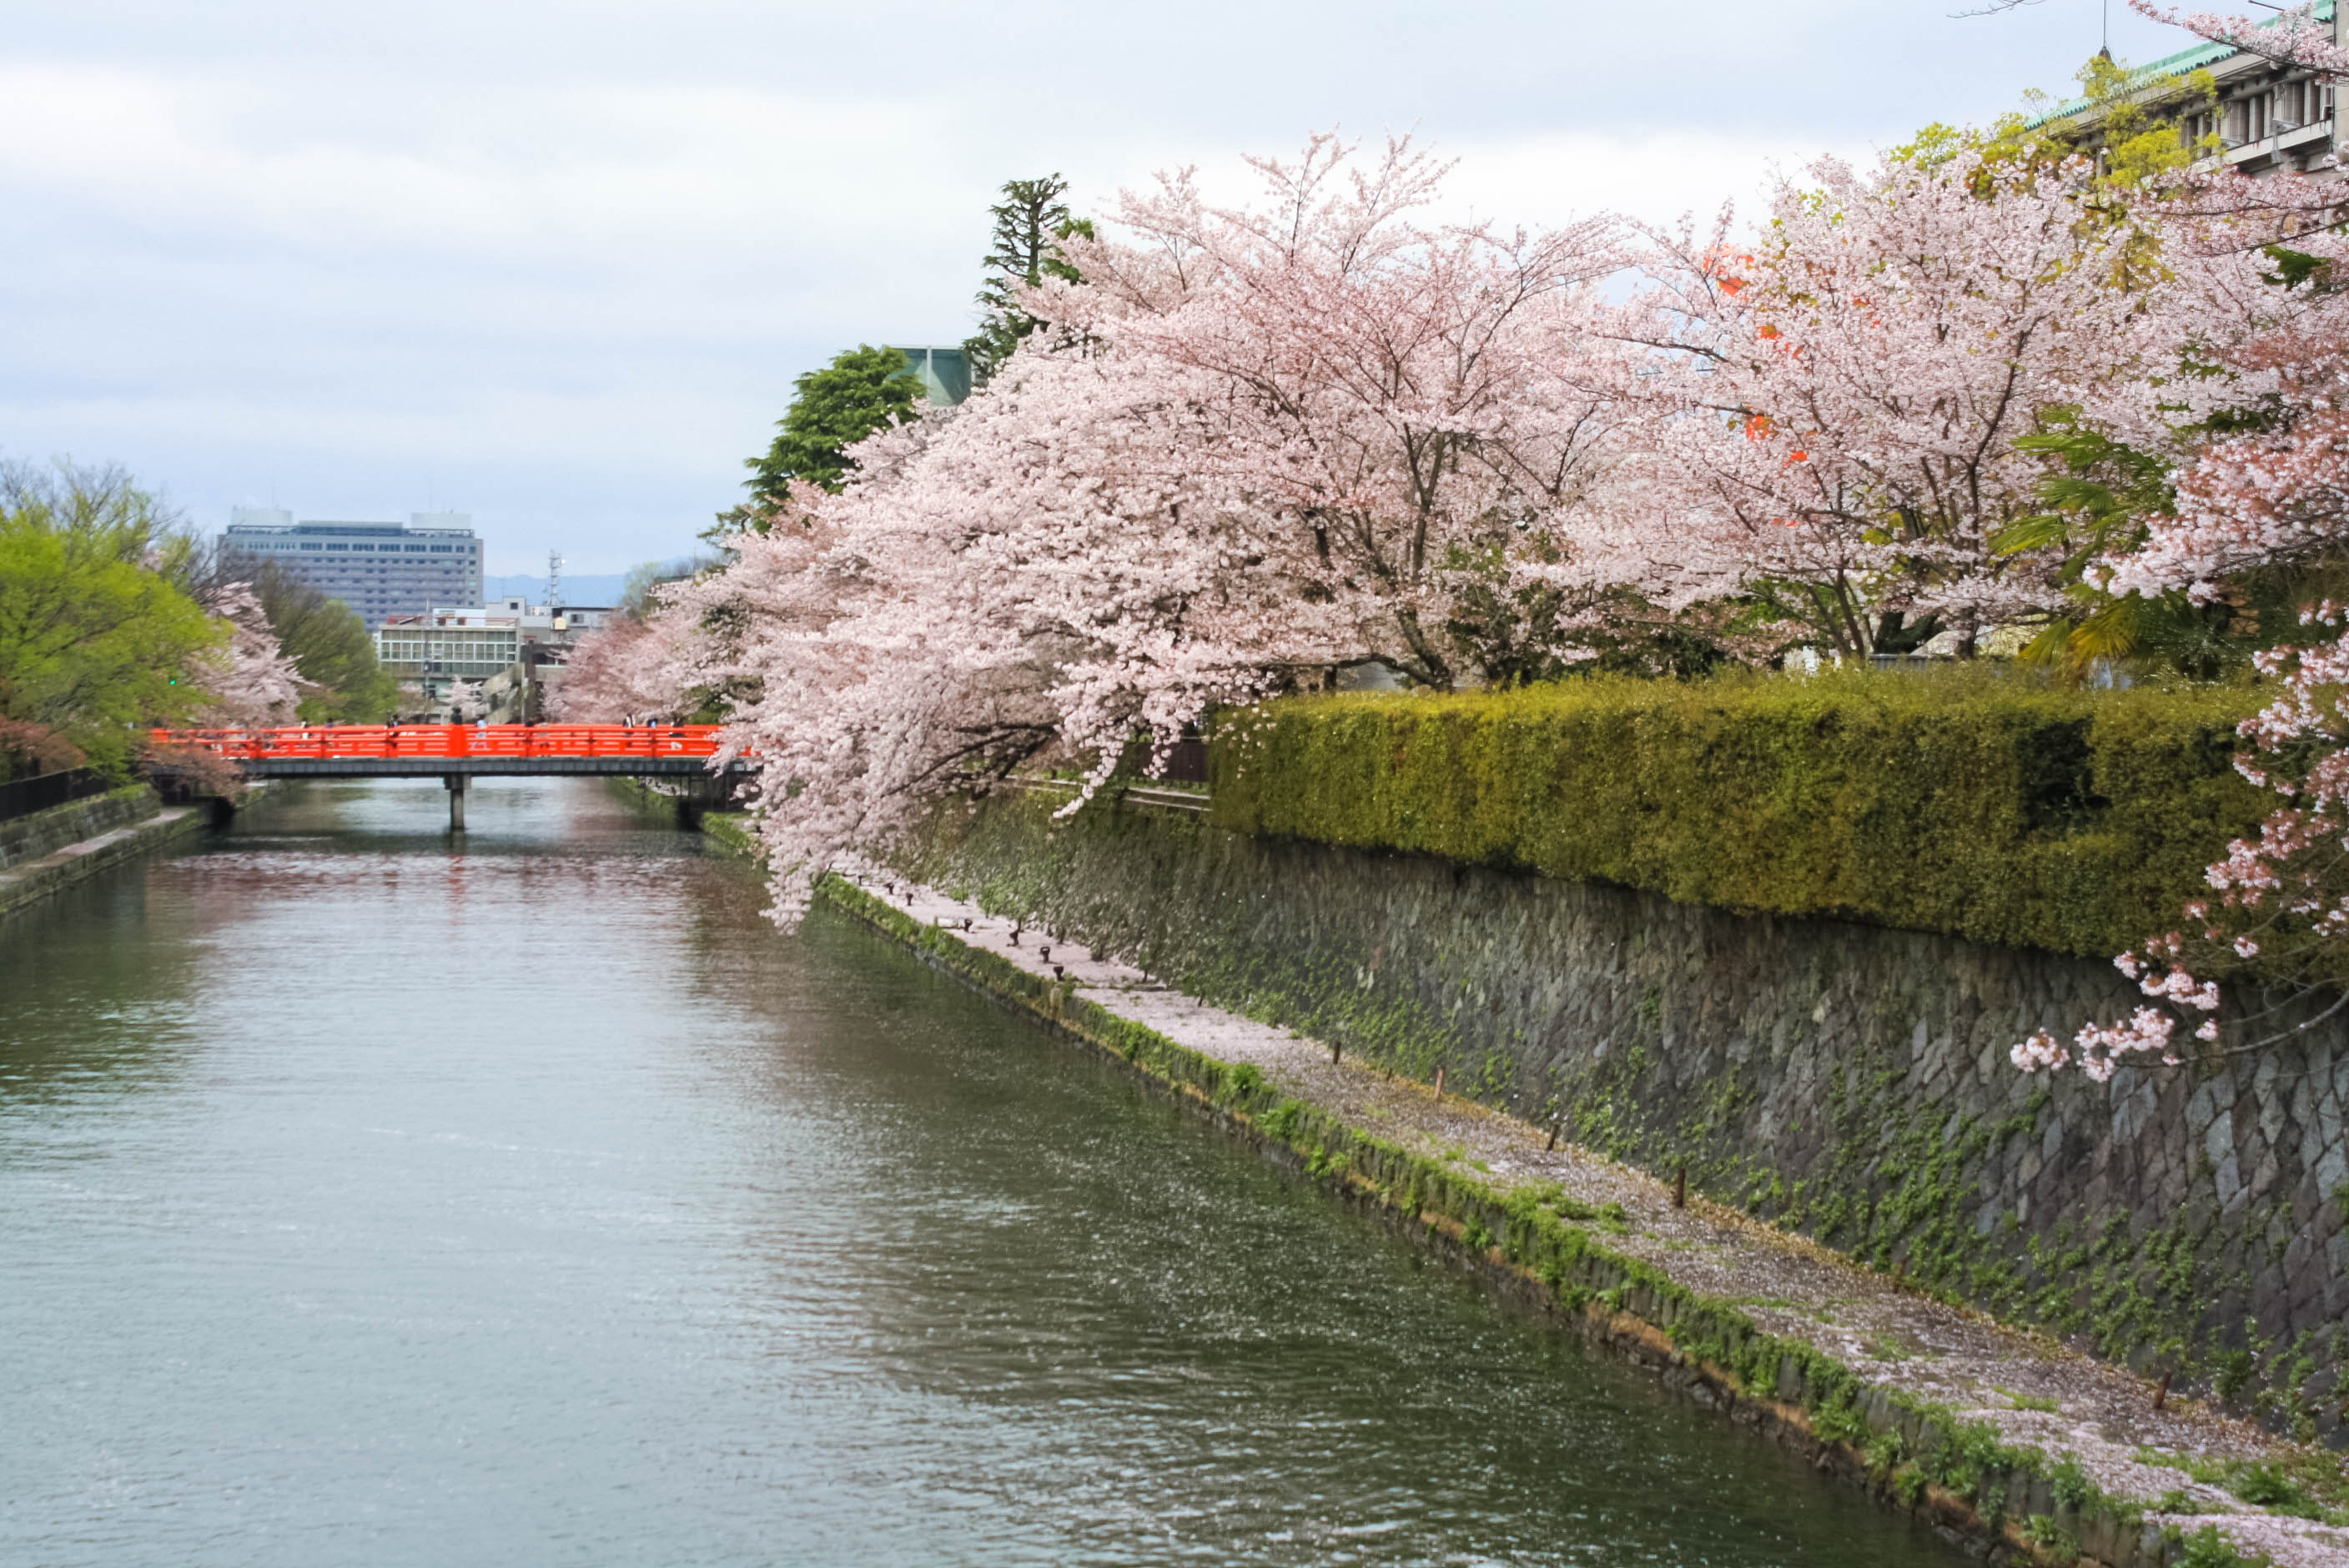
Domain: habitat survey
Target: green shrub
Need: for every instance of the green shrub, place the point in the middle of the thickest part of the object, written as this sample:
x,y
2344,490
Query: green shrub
x,y
1973,803
2206,1548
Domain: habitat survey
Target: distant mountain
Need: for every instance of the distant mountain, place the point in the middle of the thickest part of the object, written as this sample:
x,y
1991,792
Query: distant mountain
x,y
582,588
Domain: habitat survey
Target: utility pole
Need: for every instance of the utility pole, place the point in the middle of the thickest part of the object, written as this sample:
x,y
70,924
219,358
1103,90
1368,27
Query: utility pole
x,y
553,581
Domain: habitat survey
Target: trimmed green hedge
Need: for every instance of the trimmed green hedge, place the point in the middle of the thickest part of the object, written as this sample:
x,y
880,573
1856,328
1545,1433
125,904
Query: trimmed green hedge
x,y
1974,804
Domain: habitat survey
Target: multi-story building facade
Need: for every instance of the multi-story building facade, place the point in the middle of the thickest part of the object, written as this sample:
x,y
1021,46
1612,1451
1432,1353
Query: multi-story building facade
x,y
378,569
2258,116
523,642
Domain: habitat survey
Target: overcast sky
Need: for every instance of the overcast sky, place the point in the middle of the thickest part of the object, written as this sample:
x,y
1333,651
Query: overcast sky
x,y
556,264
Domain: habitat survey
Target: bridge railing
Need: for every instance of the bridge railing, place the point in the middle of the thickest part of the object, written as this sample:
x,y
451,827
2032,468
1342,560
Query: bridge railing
x,y
375,742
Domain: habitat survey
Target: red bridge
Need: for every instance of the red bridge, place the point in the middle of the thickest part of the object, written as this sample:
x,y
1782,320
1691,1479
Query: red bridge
x,y
415,750
456,753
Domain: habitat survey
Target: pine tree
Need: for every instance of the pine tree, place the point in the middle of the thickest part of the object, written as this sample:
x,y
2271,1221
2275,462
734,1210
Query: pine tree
x,y
1030,223
832,409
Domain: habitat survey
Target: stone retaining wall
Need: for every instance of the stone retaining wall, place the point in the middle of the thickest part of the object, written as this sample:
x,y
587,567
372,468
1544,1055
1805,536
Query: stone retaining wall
x,y
1847,1080
29,837
32,878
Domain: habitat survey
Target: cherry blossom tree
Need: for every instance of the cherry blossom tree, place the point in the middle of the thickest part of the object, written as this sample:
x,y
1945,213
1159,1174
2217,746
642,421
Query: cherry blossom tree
x,y
1842,404
2292,38
627,670
31,748
1261,444
2269,494
1381,405
252,681
464,701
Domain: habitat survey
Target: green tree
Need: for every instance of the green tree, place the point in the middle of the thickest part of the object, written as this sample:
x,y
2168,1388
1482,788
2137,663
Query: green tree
x,y
2131,124
1030,221
834,409
95,640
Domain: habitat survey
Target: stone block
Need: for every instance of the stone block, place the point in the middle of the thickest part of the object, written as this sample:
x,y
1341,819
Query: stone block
x,y
2132,1111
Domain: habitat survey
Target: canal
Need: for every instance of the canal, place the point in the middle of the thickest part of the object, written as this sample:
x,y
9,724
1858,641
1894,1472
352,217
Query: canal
x,y
365,1201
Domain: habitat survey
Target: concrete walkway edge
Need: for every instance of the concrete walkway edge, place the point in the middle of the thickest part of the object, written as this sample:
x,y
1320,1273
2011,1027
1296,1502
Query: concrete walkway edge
x,y
23,885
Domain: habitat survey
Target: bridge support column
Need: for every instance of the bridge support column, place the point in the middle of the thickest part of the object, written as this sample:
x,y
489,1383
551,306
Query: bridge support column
x,y
455,783
700,795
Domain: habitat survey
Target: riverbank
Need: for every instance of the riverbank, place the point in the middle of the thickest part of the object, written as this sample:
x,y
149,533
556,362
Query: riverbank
x,y
49,851
1995,1434
1844,1081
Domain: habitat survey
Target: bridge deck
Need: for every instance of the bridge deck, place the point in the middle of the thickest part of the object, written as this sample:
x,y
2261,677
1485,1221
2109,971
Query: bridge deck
x,y
477,767
457,750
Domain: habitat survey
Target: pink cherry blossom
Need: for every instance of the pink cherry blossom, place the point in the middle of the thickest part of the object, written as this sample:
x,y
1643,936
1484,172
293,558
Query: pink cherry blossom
x,y
1838,399
1255,446
250,678
1259,445
466,701
2293,38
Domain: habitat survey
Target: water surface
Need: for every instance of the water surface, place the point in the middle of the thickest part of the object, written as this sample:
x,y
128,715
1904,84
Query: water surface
x,y
368,1200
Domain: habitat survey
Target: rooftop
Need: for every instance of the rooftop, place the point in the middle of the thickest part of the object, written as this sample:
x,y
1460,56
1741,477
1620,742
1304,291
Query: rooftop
x,y
2200,57
370,530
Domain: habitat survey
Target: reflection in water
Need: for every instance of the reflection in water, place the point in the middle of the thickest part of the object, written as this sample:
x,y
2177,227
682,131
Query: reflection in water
x,y
369,1198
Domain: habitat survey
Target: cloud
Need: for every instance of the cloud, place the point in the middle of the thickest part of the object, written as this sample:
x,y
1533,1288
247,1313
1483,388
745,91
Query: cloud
x,y
1656,177
559,263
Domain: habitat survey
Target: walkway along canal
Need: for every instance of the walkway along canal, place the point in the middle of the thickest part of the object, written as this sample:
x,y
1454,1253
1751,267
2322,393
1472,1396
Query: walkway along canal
x,y
369,1198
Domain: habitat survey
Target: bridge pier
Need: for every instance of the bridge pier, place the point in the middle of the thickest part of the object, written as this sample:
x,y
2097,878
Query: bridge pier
x,y
455,783
700,795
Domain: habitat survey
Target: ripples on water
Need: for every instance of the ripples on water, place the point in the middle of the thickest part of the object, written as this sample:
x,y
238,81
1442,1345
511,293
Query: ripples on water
x,y
367,1201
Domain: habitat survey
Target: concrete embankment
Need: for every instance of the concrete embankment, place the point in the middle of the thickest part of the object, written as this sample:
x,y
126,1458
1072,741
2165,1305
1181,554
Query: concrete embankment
x,y
47,852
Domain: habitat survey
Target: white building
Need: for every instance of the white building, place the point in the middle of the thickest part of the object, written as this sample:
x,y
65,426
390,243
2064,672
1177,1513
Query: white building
x,y
512,638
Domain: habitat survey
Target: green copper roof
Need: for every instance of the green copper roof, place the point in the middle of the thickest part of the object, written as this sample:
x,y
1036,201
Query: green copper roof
x,y
2201,57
